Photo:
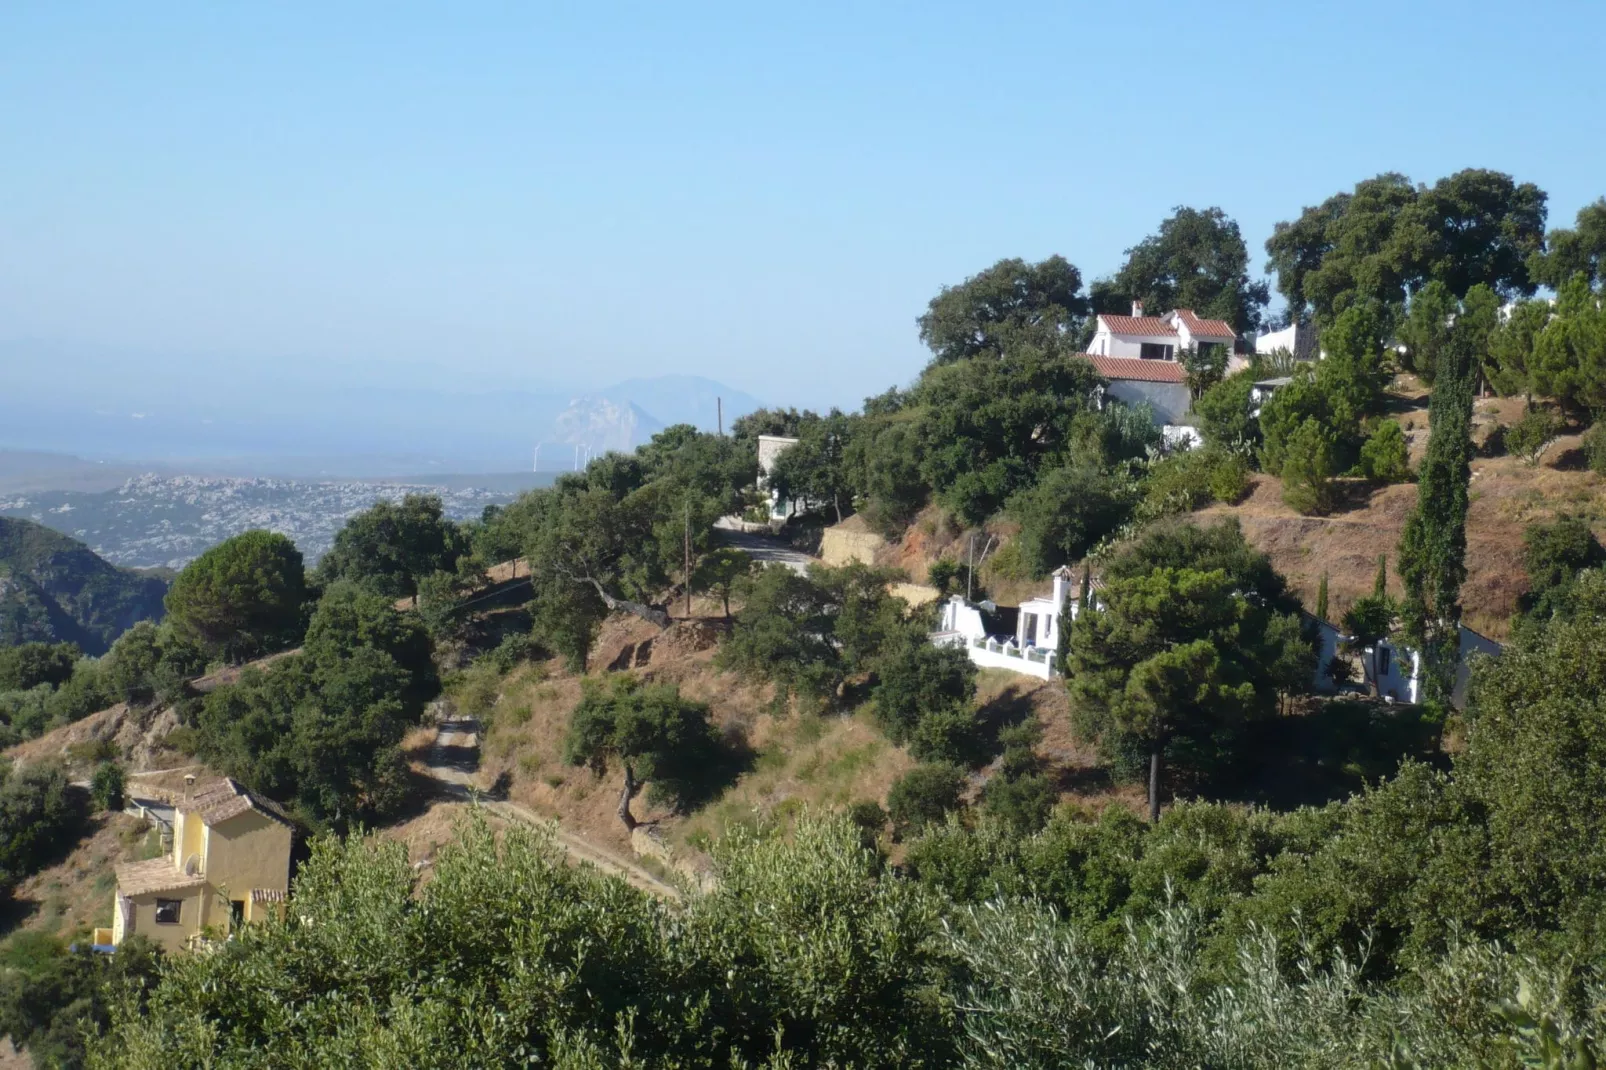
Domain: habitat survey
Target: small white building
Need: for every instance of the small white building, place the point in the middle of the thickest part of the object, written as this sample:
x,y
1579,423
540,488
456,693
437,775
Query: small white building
x,y
1158,337
770,447
1262,391
1299,339
1397,669
1022,640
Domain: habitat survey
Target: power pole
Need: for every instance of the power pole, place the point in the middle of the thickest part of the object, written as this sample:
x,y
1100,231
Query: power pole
x,y
719,409
688,559
970,567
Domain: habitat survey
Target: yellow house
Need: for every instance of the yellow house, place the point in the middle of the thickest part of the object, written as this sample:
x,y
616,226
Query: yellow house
x,y
230,864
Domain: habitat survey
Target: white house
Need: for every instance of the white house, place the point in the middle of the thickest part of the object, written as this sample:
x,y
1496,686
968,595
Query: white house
x,y
1021,640
1299,339
1138,354
771,447
1327,640
1158,337
1397,670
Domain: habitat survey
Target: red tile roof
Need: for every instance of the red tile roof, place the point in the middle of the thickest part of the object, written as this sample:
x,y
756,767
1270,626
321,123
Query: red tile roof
x,y
1151,325
1143,371
1205,328
227,798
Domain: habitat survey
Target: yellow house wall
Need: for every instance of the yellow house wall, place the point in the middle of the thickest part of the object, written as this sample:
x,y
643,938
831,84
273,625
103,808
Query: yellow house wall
x,y
246,852
170,937
189,838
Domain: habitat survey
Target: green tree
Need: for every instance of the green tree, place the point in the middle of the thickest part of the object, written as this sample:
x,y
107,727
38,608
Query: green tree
x,y
818,468
1533,433
57,1000
391,546
1433,546
1579,250
1568,362
129,669
1067,512
657,737
722,570
1197,260
916,679
241,598
1321,597
989,424
1224,412
107,786
923,796
1511,348
1385,457
25,667
1554,554
784,633
1426,328
41,817
1010,303
1308,468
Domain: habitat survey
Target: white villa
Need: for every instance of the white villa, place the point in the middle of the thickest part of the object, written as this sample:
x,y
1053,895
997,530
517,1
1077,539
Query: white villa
x,y
1020,639
1138,354
771,447
1397,670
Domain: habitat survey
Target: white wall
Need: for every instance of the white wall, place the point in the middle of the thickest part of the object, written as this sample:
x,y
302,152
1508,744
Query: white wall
x,y
1106,344
1170,401
1270,343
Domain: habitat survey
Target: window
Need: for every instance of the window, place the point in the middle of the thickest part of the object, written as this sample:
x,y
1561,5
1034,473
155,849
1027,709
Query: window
x,y
1155,351
1383,653
1031,628
167,911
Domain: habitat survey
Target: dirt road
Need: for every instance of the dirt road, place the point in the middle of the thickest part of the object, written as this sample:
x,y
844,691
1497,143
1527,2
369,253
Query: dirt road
x,y
453,762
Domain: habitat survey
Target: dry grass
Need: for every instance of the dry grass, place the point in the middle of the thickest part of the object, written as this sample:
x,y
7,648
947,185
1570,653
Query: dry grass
x,y
76,893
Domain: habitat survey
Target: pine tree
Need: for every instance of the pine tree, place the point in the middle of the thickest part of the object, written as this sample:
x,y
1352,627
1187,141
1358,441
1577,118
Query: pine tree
x,y
1321,598
1433,547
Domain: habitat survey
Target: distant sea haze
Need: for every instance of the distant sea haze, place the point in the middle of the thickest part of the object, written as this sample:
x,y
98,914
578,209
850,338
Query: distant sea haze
x,y
60,399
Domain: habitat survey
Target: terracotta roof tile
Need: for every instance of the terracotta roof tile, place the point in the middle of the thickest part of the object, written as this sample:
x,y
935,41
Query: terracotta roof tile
x,y
228,798
1203,328
154,875
1146,325
1134,369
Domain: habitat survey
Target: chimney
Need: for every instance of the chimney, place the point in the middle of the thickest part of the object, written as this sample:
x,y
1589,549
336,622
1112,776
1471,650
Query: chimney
x,y
189,785
1137,308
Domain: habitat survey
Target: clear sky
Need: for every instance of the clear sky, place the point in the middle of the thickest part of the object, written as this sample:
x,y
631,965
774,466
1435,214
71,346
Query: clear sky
x,y
765,194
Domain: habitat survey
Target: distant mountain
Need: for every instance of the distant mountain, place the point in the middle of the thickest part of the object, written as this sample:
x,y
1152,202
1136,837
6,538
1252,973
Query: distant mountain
x,y
234,418
55,589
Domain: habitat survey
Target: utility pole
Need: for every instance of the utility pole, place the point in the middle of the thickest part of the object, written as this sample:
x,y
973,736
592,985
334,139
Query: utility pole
x,y
688,559
719,410
537,466
970,567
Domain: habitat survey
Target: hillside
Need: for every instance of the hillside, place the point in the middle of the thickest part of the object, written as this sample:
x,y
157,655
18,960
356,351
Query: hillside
x,y
55,589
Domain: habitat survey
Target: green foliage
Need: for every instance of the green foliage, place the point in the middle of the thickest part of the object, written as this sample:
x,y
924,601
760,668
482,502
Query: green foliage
x,y
1067,512
660,739
1188,480
1572,251
1229,479
1533,434
1308,468
1183,650
818,469
1011,303
106,789
923,796
915,680
41,816
1433,546
1224,412
323,728
1554,553
1020,793
55,1001
1320,612
1594,443
721,571
242,597
1197,261
1385,457
1568,361
989,424
391,547
56,590
25,667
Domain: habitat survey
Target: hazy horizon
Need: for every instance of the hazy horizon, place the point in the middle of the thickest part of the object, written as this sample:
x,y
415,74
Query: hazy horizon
x,y
765,198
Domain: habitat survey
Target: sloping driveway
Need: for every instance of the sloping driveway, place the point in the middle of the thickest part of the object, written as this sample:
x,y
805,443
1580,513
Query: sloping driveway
x,y
768,550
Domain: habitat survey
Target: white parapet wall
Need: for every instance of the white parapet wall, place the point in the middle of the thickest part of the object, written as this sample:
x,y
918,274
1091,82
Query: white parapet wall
x,y
994,653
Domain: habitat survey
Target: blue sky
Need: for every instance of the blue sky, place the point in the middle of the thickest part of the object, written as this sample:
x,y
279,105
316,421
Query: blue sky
x,y
424,194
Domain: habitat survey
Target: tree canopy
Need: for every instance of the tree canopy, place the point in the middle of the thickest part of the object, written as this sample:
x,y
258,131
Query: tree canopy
x,y
391,546
1012,303
1197,260
241,598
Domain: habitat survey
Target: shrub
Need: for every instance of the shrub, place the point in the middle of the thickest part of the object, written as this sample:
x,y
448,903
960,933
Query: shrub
x,y
1531,435
1229,479
917,679
951,734
1594,444
107,787
922,796
1307,470
1179,483
1224,412
1066,512
1384,455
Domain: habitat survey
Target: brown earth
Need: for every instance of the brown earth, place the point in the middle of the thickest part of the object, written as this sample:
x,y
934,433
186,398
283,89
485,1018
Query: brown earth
x,y
75,894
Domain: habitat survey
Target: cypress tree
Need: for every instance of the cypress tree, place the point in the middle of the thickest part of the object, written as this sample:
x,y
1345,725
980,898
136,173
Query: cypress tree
x,y
1380,582
1321,598
1433,547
